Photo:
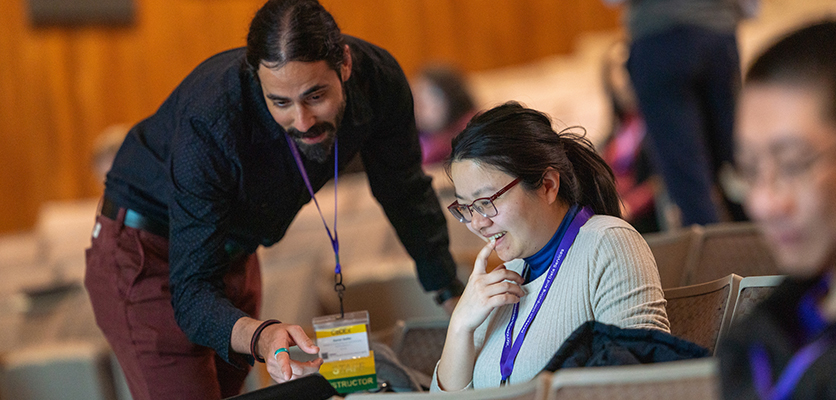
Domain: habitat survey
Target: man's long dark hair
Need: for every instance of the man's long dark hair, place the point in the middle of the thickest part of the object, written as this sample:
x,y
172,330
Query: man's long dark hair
x,y
521,142
294,30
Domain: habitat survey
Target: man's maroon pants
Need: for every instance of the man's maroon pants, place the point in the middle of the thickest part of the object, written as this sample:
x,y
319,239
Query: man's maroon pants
x,y
127,279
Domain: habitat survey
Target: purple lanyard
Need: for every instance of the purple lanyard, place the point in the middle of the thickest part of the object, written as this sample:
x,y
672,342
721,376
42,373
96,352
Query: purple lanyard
x,y
800,361
335,243
511,348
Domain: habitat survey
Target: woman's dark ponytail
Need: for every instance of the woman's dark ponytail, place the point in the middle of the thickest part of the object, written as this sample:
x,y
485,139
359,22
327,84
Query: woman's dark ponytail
x,y
592,182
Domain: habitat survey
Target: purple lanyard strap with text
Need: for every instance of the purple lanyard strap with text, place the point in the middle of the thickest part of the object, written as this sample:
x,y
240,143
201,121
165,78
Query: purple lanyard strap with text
x,y
335,243
511,347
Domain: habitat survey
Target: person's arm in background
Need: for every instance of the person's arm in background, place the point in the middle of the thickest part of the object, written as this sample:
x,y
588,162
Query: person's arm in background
x,y
392,159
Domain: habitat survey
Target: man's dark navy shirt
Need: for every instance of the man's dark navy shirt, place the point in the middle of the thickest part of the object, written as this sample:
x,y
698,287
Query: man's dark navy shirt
x,y
214,164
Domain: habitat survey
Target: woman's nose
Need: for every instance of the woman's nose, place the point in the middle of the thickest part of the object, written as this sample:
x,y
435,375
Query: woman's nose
x,y
478,221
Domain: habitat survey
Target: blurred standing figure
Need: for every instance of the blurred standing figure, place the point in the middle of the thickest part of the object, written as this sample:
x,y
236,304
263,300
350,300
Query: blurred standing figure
x,y
443,105
685,68
786,136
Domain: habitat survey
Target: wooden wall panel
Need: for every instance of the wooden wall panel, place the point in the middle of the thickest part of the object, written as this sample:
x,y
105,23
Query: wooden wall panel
x,y
61,86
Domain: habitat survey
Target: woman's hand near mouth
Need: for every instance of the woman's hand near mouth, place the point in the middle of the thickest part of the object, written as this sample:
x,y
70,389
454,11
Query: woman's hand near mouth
x,y
485,291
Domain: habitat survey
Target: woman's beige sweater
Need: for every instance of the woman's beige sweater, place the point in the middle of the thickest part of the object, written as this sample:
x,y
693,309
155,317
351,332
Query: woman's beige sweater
x,y
609,275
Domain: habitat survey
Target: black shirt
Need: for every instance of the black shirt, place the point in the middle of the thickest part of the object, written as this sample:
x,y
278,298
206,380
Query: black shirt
x,y
215,165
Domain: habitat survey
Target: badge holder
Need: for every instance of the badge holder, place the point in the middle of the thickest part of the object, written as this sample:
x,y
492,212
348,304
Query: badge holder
x,y
344,347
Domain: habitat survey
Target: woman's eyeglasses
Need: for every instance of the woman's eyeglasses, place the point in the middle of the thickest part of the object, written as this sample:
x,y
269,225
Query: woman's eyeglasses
x,y
483,205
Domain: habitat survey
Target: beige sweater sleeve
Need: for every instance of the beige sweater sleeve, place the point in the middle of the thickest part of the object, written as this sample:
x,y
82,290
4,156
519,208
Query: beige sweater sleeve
x,y
625,284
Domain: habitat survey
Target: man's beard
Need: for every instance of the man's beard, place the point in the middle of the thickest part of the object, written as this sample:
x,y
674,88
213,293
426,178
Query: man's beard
x,y
319,152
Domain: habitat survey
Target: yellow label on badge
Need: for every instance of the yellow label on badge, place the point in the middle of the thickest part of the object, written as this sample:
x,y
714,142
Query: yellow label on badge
x,y
348,368
343,330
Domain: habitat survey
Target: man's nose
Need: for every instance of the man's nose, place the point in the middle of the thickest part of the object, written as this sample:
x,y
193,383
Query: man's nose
x,y
766,202
304,119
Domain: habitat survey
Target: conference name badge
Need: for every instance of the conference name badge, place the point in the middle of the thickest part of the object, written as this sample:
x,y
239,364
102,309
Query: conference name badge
x,y
344,347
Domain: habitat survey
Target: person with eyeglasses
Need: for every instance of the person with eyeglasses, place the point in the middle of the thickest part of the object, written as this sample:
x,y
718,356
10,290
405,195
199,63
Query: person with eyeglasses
x,y
546,203
786,347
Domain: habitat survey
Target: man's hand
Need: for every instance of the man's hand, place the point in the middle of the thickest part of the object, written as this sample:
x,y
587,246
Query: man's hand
x,y
281,368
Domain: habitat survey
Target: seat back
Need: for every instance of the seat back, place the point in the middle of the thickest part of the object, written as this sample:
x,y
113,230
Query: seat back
x,y
702,313
753,290
534,389
418,343
729,248
66,370
671,250
680,380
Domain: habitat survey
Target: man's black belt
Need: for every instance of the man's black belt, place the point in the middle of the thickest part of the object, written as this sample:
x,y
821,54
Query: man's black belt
x,y
134,219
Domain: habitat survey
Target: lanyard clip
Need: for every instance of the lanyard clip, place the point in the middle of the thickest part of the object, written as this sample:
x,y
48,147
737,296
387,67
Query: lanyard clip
x,y
339,288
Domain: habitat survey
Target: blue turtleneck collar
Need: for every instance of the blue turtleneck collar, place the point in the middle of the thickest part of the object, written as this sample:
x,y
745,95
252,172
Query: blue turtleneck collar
x,y
539,263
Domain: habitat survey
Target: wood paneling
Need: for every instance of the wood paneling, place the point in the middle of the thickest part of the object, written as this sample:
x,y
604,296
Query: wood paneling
x,y
61,86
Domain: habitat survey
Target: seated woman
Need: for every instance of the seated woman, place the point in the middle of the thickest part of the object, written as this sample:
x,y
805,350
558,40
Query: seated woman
x,y
547,204
786,155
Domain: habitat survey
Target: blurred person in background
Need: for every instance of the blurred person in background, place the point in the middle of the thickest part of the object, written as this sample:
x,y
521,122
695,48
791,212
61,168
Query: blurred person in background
x,y
443,105
685,68
624,149
786,155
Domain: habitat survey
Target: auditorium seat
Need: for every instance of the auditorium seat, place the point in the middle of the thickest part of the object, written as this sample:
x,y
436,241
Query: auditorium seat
x,y
671,250
702,313
534,389
58,370
676,380
418,342
753,290
729,248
